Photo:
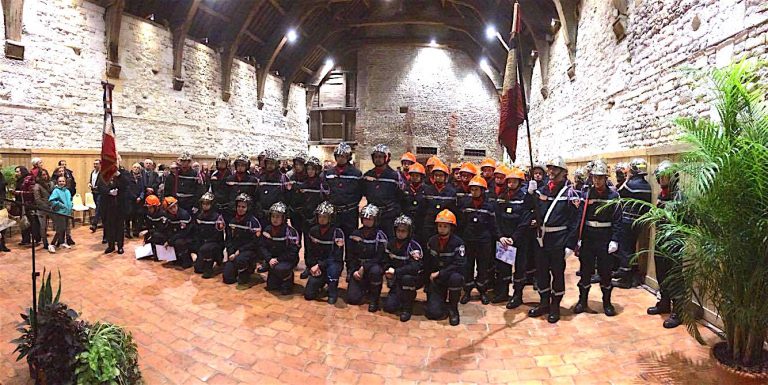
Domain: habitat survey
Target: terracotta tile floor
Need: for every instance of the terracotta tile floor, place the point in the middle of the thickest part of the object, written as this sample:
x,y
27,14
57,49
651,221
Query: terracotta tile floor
x,y
192,331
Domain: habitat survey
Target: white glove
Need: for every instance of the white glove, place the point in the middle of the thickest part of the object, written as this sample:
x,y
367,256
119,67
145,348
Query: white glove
x,y
532,186
568,251
578,244
613,247
113,192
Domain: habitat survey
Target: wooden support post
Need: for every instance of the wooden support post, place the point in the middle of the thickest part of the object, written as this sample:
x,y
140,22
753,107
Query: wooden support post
x,y
568,12
180,24
12,14
232,38
112,19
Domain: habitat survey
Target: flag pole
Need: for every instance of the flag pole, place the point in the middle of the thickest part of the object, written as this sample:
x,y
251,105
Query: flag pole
x,y
515,44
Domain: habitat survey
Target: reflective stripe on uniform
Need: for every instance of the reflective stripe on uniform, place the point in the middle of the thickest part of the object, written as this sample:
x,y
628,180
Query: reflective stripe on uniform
x,y
320,241
554,229
597,224
491,213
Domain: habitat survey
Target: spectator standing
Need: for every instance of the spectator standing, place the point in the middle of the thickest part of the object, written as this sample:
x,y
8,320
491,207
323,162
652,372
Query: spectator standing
x,y
42,192
134,202
61,202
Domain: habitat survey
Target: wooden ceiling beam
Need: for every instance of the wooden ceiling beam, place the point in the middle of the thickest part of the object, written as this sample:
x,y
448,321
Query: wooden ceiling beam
x,y
215,13
232,38
113,15
12,15
181,21
277,6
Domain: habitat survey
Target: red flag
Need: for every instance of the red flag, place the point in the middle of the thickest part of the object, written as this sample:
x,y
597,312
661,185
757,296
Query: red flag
x,y
108,146
512,107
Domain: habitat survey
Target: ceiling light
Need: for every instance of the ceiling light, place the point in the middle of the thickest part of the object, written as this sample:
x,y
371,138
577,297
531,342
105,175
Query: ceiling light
x,y
329,63
291,35
483,62
490,32
433,43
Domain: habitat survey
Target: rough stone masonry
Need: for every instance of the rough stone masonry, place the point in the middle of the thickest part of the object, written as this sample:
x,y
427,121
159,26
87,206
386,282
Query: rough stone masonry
x,y
52,99
626,93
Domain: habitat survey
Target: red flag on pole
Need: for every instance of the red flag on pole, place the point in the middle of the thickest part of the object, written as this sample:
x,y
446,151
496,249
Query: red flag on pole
x,y
108,146
512,108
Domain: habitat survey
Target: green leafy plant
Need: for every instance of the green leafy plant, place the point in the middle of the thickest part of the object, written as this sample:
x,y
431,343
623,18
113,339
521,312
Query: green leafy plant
x,y
111,357
10,177
26,326
717,233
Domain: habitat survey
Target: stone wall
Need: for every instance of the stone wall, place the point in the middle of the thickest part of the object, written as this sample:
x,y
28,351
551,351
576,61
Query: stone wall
x,y
452,104
53,98
626,94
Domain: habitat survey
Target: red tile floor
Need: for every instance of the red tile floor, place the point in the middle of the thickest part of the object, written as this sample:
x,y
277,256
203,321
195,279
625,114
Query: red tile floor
x,y
192,331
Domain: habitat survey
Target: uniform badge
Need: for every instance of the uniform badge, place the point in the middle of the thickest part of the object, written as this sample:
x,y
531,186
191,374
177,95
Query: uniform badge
x,y
461,250
415,203
509,210
437,207
474,219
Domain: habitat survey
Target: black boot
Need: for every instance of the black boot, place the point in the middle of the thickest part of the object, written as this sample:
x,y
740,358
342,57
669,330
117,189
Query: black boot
x,y
624,281
453,307
484,297
304,274
373,306
673,321
554,309
405,316
582,305
543,307
516,300
110,249
467,295
608,308
333,292
70,241
661,307
595,278
501,293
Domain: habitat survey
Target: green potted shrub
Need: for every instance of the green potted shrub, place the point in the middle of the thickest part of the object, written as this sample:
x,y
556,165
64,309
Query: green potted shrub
x,y
111,357
718,232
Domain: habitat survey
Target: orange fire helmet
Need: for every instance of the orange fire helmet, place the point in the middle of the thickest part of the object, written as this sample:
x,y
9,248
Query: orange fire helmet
x,y
152,200
503,170
469,167
168,202
446,216
409,157
455,166
478,181
440,166
417,168
488,162
433,160
516,173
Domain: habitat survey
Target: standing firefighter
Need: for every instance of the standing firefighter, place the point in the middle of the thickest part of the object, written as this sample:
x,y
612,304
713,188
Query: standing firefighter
x,y
445,268
343,181
209,236
280,249
514,212
438,196
324,255
296,176
186,185
242,182
600,234
636,187
219,187
310,193
242,246
406,161
402,269
555,238
364,260
383,188
272,185
414,200
667,260
477,227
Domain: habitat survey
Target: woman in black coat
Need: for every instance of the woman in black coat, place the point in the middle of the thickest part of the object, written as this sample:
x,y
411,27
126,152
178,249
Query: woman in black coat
x,y
113,194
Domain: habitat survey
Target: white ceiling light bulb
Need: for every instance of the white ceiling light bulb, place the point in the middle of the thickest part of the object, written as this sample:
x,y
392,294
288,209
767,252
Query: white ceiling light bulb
x,y
433,43
490,32
329,63
291,35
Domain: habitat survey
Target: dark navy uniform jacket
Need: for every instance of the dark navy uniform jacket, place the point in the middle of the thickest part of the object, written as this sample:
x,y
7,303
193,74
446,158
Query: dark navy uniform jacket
x,y
326,245
186,185
383,188
242,183
219,187
345,187
405,256
280,242
243,233
636,187
600,224
205,227
271,189
178,226
448,259
414,204
437,200
477,224
561,228
307,195
514,212
366,246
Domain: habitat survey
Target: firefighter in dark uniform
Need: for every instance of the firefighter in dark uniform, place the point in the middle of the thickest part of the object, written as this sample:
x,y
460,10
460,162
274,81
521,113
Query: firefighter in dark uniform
x,y
364,260
383,188
538,177
324,255
414,201
600,234
272,185
477,227
403,269
499,182
406,161
431,162
280,249
241,251
669,194
219,187
514,212
579,179
179,232
344,183
444,264
295,177
622,169
243,182
209,236
467,172
636,187
154,223
438,196
454,177
487,169
186,185
308,194
555,238
113,209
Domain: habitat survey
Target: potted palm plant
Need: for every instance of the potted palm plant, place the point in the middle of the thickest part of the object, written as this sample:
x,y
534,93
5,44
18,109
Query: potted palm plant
x,y
718,232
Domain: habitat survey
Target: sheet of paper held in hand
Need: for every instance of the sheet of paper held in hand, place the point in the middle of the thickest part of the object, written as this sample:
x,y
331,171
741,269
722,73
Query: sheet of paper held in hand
x,y
144,251
165,253
506,254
